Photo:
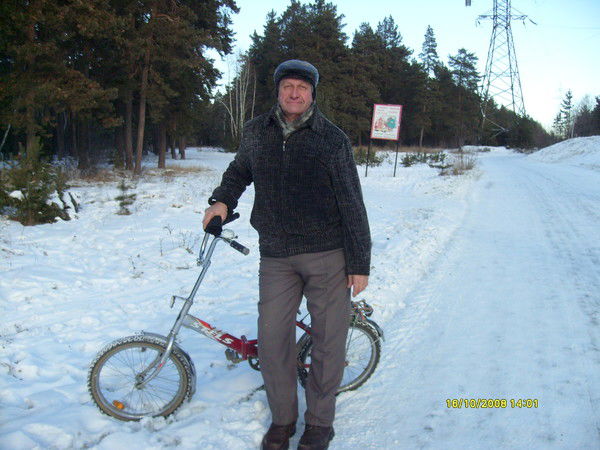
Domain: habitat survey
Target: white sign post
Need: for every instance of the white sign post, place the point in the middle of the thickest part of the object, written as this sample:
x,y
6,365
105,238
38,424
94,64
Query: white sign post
x,y
385,125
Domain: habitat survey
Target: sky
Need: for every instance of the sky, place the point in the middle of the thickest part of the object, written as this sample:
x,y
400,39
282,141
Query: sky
x,y
560,52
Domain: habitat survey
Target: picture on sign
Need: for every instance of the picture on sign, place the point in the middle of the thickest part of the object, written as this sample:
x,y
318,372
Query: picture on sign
x,y
386,122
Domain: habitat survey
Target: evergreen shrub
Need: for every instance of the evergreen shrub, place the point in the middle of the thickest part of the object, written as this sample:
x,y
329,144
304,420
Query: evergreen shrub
x,y
28,188
125,200
360,157
411,159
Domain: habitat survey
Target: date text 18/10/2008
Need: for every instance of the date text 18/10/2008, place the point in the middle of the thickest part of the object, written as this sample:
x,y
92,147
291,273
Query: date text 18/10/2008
x,y
481,403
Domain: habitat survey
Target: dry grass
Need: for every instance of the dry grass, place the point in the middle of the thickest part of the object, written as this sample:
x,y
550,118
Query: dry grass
x,y
401,149
462,162
111,175
95,176
172,172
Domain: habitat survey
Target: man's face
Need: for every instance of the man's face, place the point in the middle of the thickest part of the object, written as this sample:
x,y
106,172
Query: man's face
x,y
295,97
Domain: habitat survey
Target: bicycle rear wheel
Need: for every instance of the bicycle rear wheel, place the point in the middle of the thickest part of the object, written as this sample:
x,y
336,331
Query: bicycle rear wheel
x,y
363,350
114,377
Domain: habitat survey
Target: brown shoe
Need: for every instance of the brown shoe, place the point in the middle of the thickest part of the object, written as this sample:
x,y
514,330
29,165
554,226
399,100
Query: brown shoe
x,y
316,438
278,437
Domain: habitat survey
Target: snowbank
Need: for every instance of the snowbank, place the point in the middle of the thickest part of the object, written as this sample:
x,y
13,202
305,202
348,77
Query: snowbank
x,y
583,151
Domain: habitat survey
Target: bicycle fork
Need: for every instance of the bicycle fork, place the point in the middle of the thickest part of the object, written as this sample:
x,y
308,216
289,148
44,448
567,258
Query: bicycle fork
x,y
156,366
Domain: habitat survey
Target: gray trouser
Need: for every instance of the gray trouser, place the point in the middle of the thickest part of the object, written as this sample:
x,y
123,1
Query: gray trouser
x,y
321,278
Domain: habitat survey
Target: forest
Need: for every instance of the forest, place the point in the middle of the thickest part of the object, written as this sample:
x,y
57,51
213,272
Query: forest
x,y
110,80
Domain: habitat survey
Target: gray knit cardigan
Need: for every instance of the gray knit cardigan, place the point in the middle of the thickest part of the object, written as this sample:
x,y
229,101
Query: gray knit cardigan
x,y
307,191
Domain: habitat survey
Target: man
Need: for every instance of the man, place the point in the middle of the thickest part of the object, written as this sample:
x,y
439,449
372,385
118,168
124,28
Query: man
x,y
314,240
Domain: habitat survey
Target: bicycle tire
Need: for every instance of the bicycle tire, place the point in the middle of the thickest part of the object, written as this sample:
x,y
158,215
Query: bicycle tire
x,y
363,350
112,379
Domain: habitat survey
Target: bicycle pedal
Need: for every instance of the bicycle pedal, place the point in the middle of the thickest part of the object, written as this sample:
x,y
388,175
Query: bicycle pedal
x,y
233,356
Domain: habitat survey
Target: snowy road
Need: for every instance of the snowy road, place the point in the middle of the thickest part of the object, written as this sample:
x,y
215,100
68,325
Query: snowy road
x,y
510,311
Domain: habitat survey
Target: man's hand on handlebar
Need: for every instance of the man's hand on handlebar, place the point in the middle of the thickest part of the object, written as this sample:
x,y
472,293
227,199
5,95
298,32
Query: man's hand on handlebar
x,y
216,209
214,218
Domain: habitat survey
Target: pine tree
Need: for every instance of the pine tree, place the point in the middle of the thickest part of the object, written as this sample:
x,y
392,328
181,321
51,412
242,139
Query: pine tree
x,y
465,77
265,53
366,56
464,69
43,76
310,32
164,51
583,118
596,118
566,112
557,124
403,80
564,120
430,61
429,56
324,46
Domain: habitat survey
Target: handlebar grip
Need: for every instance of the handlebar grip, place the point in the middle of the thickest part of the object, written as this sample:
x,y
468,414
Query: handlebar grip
x,y
231,217
239,247
214,227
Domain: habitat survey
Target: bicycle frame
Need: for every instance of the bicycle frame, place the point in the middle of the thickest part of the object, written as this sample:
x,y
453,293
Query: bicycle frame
x,y
243,348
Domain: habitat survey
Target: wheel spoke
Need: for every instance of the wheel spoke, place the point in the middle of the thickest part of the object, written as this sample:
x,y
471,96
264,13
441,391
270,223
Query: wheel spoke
x,y
362,356
113,378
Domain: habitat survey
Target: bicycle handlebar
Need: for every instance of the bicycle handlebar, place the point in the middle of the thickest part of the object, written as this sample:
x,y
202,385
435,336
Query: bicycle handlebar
x,y
239,247
215,227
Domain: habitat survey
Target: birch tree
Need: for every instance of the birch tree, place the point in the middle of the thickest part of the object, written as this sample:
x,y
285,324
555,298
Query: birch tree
x,y
240,99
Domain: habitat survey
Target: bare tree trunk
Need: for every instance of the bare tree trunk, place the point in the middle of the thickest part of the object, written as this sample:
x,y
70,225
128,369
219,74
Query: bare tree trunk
x,y
460,137
173,147
30,96
182,145
84,158
74,140
162,144
171,127
60,135
120,145
30,125
4,138
128,130
142,112
237,98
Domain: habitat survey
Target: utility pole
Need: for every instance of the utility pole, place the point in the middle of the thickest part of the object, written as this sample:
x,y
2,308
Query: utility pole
x,y
501,83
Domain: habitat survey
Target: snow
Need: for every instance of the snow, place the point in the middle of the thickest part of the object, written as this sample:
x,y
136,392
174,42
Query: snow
x,y
486,286
16,194
582,151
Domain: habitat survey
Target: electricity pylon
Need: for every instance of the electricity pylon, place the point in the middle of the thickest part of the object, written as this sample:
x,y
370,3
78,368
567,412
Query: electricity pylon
x,y
501,83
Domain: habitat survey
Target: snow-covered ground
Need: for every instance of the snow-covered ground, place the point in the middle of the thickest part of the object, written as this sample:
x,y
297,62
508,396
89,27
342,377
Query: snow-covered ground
x,y
486,285
581,151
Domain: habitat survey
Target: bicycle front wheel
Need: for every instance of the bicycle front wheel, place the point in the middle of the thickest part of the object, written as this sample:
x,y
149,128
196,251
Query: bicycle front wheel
x,y
363,350
115,376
